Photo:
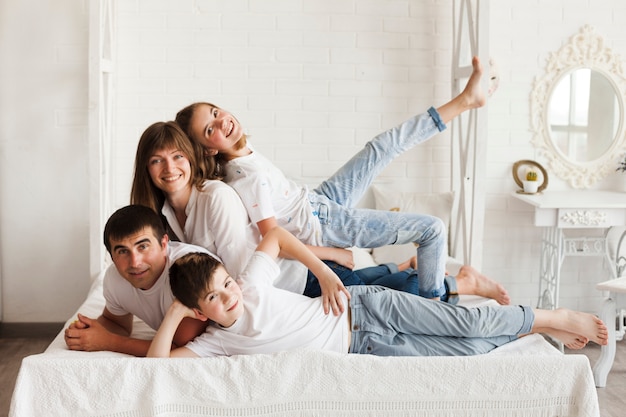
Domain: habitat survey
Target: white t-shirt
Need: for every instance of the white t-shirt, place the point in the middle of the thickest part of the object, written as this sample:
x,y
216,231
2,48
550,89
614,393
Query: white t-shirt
x,y
218,221
266,192
148,305
274,320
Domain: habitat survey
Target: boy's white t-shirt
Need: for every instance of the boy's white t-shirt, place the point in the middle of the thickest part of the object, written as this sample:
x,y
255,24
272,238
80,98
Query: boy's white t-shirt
x,y
218,221
266,192
274,320
148,305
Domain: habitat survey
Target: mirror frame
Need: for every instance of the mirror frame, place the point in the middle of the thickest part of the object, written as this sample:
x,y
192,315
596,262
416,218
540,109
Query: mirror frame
x,y
586,49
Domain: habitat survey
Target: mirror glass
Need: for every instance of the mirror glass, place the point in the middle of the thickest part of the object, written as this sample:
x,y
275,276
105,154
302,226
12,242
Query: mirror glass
x,y
583,115
577,108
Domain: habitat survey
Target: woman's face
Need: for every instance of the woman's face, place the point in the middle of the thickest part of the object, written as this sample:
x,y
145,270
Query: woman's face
x,y
215,129
169,170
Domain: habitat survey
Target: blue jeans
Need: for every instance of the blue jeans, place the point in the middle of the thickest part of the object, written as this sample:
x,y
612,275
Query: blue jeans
x,y
393,323
343,225
386,275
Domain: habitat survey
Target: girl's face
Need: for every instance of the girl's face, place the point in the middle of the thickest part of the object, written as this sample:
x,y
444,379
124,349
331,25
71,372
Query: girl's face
x,y
215,129
224,302
169,170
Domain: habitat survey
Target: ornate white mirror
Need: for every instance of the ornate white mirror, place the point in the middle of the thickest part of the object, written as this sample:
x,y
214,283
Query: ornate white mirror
x,y
577,110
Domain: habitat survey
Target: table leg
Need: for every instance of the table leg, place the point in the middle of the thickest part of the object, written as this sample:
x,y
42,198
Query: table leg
x,y
550,270
607,353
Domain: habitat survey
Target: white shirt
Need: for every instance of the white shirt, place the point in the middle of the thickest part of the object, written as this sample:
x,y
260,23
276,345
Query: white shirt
x,y
274,320
148,305
218,221
266,192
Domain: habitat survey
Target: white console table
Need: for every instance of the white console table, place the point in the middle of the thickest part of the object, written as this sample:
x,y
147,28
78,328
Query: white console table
x,y
585,210
557,211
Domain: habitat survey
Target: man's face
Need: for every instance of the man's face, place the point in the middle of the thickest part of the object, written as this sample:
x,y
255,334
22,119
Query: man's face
x,y
140,258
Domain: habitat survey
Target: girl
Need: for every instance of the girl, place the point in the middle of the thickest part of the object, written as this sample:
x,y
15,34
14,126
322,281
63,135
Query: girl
x,y
326,215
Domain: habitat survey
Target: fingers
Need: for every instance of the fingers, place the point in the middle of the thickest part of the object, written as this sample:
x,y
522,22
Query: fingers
x,y
334,303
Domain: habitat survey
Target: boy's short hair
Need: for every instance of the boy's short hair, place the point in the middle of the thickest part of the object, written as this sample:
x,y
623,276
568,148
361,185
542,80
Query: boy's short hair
x,y
190,276
132,219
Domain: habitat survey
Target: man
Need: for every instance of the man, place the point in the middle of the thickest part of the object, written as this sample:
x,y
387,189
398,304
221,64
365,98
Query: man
x,y
137,284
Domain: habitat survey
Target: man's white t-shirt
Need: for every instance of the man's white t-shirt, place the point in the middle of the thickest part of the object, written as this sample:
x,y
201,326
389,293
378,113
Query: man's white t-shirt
x,y
266,192
218,221
274,320
148,305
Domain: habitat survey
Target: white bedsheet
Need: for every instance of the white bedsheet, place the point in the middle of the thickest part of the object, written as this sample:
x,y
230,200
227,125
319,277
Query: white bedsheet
x,y
525,378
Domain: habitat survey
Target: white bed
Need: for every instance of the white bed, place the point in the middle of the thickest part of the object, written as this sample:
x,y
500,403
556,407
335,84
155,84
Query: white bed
x,y
528,377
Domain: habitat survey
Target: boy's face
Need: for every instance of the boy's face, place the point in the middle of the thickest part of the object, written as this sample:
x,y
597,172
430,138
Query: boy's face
x,y
140,258
224,302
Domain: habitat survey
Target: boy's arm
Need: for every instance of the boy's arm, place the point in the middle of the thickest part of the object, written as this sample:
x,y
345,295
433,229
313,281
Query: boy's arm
x,y
161,346
278,240
343,257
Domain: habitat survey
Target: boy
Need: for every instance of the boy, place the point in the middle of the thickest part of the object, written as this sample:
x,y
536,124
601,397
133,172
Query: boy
x,y
259,318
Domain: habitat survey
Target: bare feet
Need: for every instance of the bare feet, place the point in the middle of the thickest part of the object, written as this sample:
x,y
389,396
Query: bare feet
x,y
471,282
584,325
570,340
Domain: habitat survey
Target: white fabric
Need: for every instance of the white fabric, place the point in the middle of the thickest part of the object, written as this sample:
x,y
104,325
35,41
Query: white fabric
x,y
274,320
267,192
149,305
438,205
218,221
524,378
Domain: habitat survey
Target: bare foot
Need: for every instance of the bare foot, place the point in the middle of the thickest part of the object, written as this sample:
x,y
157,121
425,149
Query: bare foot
x,y
584,325
470,281
471,97
473,93
570,340
409,263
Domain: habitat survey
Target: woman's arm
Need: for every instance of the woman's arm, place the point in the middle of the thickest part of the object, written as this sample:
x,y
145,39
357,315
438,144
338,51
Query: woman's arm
x,y
343,257
278,241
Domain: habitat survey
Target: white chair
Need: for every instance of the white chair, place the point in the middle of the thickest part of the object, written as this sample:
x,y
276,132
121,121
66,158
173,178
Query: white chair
x,y
613,308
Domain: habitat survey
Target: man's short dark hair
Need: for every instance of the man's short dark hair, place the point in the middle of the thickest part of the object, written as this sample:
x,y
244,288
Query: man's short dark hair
x,y
132,219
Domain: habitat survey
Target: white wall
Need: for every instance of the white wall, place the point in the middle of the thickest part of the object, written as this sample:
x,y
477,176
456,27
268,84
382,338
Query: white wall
x,y
311,80
523,34
43,159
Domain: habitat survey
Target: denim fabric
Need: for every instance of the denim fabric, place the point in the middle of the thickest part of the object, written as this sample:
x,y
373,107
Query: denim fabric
x,y
386,275
344,226
393,323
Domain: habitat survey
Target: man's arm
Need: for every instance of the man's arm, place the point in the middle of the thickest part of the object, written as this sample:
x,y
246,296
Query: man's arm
x,y
278,241
112,333
162,342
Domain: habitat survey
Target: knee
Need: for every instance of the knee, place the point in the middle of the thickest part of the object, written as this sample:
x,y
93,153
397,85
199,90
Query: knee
x,y
437,227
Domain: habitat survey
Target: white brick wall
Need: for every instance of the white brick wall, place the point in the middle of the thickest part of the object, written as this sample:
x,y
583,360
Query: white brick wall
x,y
313,80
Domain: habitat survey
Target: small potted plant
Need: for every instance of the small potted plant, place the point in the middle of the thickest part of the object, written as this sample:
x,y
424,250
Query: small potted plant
x,y
531,184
